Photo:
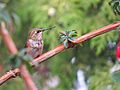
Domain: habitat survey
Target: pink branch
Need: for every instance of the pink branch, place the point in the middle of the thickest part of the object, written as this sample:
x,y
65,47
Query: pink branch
x,y
8,75
81,39
13,50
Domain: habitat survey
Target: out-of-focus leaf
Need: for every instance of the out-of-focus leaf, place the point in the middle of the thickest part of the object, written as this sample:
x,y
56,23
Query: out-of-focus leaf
x,y
24,56
115,4
22,52
17,63
19,58
115,72
118,28
2,5
14,61
27,58
116,76
8,14
16,19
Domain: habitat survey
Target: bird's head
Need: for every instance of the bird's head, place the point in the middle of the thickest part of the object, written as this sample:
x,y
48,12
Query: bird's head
x,y
36,33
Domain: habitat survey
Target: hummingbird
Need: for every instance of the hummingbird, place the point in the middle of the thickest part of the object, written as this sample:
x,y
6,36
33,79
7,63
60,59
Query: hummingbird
x,y
34,48
34,42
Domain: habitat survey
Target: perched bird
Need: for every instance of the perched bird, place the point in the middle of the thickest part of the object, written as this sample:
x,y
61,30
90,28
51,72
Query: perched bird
x,y
34,46
34,43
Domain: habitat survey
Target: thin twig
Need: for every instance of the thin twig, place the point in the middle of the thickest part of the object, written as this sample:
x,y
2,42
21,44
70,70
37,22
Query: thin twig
x,y
13,50
8,75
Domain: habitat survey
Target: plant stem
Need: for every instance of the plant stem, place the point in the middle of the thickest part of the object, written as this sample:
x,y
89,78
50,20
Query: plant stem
x,y
81,39
13,50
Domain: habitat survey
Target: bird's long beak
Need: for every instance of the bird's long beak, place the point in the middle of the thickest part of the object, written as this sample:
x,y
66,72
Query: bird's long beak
x,y
44,29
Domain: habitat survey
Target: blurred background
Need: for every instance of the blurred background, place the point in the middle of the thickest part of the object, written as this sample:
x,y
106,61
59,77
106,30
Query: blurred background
x,y
84,67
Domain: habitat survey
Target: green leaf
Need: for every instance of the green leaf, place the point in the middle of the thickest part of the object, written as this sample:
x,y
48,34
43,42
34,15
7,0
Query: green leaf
x,y
19,58
65,43
72,33
14,61
116,76
16,19
115,4
67,36
22,52
18,62
71,39
63,38
27,58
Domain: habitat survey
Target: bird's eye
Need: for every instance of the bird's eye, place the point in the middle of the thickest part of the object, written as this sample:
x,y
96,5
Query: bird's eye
x,y
38,31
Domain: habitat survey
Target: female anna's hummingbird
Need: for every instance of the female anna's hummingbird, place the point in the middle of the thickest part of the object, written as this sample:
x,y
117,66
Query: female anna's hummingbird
x,y
34,46
34,43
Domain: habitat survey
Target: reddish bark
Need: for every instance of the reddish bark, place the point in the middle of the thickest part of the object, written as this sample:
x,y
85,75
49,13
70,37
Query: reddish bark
x,y
1,68
8,75
13,50
81,39
60,48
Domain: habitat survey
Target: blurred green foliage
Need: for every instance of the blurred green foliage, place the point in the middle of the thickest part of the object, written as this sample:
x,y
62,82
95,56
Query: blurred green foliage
x,y
7,13
19,58
81,15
